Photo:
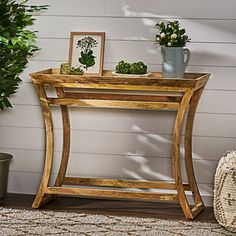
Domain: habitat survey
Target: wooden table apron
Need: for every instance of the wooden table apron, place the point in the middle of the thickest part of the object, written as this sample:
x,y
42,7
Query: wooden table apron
x,y
108,91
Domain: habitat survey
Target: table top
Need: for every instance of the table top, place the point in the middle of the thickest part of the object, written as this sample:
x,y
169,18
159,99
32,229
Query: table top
x,y
52,77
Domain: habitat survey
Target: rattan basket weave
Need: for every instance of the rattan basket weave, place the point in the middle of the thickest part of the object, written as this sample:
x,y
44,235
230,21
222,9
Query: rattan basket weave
x,y
225,191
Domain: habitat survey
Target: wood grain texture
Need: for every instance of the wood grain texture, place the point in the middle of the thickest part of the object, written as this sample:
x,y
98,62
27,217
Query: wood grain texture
x,y
24,182
121,183
154,82
176,154
215,83
188,86
211,100
197,209
89,192
49,146
66,141
122,97
188,147
114,103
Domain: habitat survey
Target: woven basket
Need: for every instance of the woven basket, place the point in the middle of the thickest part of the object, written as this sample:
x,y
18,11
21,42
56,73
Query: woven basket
x,y
225,191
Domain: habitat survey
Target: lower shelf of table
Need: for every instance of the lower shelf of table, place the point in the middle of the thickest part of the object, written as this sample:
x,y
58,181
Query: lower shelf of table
x,y
107,193
121,189
142,184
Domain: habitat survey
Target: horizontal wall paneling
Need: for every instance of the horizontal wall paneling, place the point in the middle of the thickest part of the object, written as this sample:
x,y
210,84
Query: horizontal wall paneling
x,y
122,143
144,144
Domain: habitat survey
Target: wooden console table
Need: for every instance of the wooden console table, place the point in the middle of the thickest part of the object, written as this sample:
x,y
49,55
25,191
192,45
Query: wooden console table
x,y
110,91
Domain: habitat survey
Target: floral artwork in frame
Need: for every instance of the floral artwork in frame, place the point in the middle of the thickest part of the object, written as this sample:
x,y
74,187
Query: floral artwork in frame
x,y
87,51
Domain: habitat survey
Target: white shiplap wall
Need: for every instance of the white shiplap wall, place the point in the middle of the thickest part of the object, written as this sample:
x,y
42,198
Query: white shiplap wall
x,y
122,143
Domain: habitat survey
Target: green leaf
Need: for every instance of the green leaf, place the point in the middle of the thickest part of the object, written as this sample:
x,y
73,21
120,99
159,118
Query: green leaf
x,y
3,40
1,105
16,44
6,102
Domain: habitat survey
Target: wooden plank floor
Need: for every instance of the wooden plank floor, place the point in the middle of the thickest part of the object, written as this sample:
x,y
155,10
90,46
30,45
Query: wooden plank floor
x,y
111,207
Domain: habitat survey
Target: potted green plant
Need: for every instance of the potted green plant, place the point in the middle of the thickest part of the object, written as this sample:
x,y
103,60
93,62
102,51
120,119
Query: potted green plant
x,y
135,69
16,44
172,40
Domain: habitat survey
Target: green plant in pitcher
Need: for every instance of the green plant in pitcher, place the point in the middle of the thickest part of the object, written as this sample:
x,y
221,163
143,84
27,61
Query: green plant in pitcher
x,y
87,59
171,35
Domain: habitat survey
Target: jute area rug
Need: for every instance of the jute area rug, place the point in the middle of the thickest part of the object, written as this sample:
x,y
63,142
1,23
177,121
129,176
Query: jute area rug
x,y
44,222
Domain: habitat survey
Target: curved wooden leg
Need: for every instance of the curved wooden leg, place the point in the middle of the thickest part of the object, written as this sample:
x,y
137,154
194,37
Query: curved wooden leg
x,y
66,141
188,150
49,149
176,168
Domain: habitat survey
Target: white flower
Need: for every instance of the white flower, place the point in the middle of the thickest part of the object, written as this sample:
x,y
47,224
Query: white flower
x,y
169,44
163,35
173,36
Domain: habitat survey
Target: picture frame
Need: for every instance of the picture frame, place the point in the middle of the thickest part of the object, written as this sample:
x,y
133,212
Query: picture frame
x,y
87,51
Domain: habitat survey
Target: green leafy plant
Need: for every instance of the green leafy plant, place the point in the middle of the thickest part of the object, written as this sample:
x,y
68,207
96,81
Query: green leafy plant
x,y
66,69
171,35
86,55
138,68
16,44
76,71
123,67
131,68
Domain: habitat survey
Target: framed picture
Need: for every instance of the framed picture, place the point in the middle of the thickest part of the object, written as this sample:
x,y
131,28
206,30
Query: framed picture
x,y
87,51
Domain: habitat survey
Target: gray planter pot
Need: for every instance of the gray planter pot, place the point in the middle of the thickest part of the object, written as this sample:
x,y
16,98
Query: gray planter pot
x,y
175,60
4,170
